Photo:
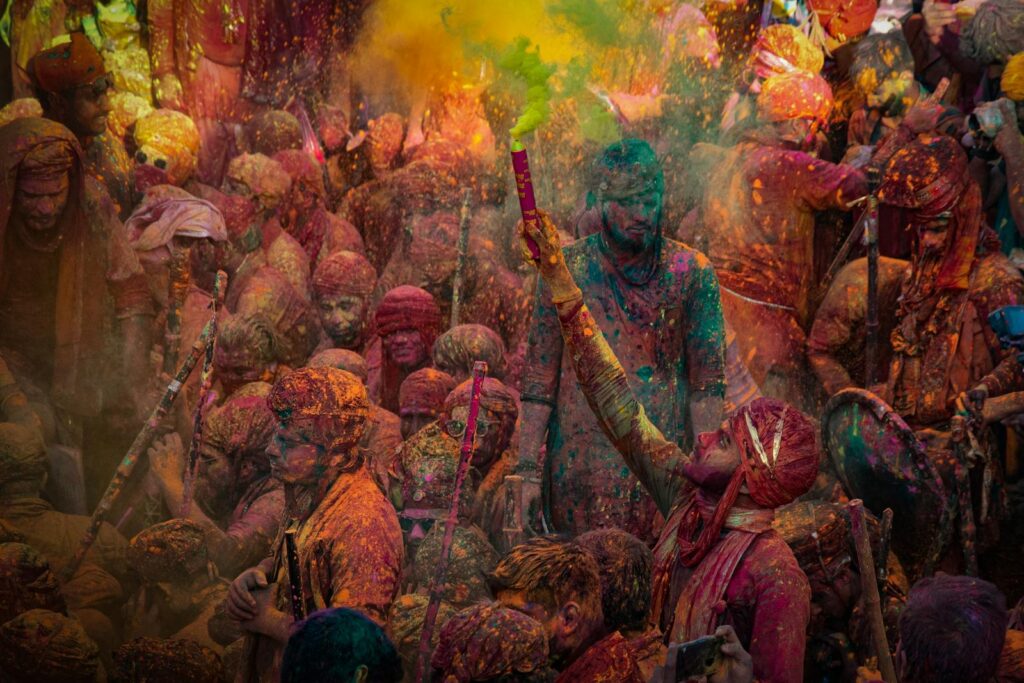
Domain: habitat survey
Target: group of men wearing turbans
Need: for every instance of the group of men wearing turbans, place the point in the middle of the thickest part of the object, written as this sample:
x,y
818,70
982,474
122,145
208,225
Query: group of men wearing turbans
x,y
646,466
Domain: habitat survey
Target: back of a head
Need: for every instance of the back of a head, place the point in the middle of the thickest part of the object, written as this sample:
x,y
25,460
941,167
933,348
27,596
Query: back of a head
x,y
341,359
952,629
26,582
22,456
625,564
330,645
169,552
883,54
39,646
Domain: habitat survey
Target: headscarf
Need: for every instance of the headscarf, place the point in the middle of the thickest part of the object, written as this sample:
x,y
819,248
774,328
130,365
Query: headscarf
x,y
1012,80
264,177
240,220
169,552
428,461
26,582
344,273
168,212
927,177
309,393
163,659
302,166
794,95
488,641
22,454
462,345
405,308
47,647
67,66
272,132
835,22
241,429
995,33
20,109
781,48
405,625
342,359
494,396
472,559
423,392
170,136
624,169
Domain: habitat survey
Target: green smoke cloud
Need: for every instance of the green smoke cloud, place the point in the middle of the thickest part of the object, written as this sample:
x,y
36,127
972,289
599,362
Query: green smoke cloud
x,y
526,64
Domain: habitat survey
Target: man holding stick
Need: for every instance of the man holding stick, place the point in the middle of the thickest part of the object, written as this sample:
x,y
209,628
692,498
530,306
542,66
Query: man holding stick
x,y
348,539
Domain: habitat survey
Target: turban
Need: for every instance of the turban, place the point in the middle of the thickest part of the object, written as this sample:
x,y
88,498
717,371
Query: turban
x,y
835,22
408,307
794,95
428,460
241,428
46,165
344,273
781,48
163,659
169,552
240,220
778,463
47,647
472,559
489,641
1013,78
333,127
171,212
20,109
342,359
264,177
494,396
22,454
995,33
125,110
26,582
171,137
272,132
423,392
457,349
405,625
309,393
67,66
625,169
384,141
301,166
271,297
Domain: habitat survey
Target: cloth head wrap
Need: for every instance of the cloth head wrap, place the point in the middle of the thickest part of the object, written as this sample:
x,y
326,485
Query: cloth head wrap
x,y
778,463
163,659
995,32
309,393
458,348
781,48
428,460
473,558
47,647
171,136
1013,78
302,166
489,641
342,359
169,552
240,219
22,454
423,392
26,582
408,307
45,168
344,273
794,95
494,396
242,429
20,109
168,212
125,110
626,169
928,177
272,132
264,177
384,141
67,65
835,22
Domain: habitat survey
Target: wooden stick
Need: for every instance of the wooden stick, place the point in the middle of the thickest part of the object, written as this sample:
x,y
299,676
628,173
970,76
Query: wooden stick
x,y
513,527
180,277
869,589
458,281
437,585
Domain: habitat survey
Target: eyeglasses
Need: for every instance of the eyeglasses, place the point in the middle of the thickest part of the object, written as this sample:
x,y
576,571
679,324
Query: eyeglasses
x,y
99,87
457,428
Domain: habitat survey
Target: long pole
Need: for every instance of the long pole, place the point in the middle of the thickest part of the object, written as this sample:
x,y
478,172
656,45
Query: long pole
x,y
437,585
460,267
869,588
178,289
871,323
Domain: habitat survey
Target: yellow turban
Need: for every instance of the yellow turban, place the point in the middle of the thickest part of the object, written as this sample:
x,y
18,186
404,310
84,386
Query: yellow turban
x,y
1013,78
172,137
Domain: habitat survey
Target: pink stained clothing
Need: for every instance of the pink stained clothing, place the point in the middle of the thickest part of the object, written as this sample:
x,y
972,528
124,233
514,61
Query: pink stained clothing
x,y
252,528
757,585
609,660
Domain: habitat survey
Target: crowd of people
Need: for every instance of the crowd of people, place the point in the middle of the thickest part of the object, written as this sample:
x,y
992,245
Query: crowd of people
x,y
245,295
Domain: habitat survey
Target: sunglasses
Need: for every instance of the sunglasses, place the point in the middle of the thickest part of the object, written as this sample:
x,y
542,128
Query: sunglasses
x,y
410,519
457,428
99,87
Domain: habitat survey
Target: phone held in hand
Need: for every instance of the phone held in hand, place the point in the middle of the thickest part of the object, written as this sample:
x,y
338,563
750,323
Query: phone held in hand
x,y
697,658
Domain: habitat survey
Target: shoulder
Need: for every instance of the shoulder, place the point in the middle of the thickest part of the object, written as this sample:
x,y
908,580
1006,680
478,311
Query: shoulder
x,y
998,278
682,258
773,566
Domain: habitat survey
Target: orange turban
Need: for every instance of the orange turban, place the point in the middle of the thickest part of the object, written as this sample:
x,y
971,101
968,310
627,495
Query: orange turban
x,y
795,95
67,66
1013,78
781,48
835,22
171,136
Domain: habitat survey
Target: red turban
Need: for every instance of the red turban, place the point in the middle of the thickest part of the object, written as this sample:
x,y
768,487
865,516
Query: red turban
x,y
344,273
424,392
794,95
240,218
407,307
301,166
489,641
778,463
842,20
67,66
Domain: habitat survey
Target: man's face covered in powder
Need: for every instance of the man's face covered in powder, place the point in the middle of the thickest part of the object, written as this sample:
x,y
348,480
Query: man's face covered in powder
x,y
40,204
405,348
343,318
632,222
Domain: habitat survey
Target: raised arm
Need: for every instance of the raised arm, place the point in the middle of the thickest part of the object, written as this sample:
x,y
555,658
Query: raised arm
x,y
655,461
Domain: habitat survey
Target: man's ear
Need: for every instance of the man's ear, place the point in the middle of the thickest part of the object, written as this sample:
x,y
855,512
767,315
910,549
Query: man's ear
x,y
362,673
571,617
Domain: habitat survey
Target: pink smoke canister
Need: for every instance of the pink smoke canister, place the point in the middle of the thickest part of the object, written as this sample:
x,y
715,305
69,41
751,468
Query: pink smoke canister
x,y
524,188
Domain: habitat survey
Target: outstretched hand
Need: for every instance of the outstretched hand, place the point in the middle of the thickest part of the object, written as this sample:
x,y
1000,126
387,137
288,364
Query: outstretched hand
x,y
551,262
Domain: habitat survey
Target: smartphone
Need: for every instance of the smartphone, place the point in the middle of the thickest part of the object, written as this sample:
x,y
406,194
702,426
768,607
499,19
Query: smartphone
x,y
701,657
